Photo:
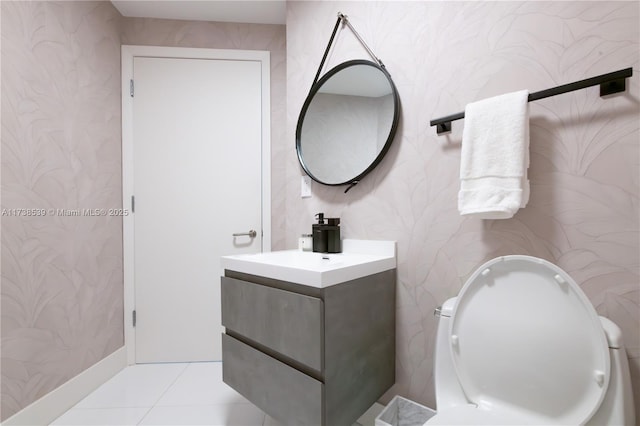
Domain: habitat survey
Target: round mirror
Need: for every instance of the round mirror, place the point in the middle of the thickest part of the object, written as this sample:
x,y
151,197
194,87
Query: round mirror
x,y
347,123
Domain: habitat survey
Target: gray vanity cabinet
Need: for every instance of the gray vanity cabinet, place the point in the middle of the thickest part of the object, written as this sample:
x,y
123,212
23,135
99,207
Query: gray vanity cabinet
x,y
307,355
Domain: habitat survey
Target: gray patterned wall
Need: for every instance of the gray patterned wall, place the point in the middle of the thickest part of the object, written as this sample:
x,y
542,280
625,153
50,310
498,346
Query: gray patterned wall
x,y
61,278
585,152
62,299
61,275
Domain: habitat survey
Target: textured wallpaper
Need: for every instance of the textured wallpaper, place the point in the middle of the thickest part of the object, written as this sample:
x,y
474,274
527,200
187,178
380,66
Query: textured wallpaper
x,y
62,275
61,264
585,152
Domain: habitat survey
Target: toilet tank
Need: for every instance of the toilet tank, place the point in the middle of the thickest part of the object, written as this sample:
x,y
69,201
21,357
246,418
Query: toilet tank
x,y
448,390
617,407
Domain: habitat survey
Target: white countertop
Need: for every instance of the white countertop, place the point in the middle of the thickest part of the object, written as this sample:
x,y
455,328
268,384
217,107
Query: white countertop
x,y
359,258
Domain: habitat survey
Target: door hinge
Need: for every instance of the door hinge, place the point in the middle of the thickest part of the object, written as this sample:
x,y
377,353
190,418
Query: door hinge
x,y
133,317
133,204
131,87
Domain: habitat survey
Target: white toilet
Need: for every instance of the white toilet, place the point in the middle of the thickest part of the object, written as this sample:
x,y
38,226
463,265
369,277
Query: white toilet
x,y
522,344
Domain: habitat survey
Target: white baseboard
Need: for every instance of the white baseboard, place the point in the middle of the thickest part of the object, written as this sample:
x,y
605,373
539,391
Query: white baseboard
x,y
51,406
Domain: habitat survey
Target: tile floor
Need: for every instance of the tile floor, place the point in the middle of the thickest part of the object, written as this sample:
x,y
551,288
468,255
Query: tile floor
x,y
172,394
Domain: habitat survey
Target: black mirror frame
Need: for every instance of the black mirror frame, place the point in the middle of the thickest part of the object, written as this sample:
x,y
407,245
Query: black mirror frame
x,y
392,131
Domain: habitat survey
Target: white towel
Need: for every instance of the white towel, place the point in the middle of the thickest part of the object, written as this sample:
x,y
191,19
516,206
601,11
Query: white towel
x,y
495,157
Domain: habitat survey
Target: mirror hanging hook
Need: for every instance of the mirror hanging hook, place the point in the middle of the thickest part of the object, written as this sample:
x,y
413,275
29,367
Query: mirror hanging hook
x,y
345,21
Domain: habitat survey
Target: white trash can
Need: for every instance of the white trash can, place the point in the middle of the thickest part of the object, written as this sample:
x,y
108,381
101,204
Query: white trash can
x,y
404,412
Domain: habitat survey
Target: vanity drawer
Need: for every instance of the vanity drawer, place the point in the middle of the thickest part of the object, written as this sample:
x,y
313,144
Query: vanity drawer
x,y
276,388
289,323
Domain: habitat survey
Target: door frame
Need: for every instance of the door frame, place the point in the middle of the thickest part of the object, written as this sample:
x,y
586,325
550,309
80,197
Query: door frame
x,y
129,52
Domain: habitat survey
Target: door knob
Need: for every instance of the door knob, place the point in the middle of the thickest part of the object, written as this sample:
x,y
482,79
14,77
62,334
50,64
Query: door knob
x,y
251,234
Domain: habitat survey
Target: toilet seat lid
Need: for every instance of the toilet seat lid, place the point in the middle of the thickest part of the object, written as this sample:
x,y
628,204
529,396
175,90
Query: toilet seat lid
x,y
525,337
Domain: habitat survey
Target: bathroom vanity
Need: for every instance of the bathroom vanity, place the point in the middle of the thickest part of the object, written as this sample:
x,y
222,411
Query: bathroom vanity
x,y
310,337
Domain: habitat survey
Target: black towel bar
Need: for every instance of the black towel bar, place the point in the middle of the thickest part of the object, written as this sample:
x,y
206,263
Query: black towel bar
x,y
610,83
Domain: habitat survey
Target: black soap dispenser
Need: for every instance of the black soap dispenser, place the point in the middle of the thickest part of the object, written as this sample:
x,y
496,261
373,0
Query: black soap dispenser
x,y
334,244
319,235
326,236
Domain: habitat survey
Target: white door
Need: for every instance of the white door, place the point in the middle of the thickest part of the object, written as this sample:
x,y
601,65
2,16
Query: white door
x,y
197,137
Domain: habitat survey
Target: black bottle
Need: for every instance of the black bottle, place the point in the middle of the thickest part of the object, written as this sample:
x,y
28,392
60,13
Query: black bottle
x,y
319,235
334,244
326,236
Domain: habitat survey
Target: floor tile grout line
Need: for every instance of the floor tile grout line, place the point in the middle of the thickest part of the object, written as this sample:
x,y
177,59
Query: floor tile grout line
x,y
165,391
145,415
262,419
209,404
264,416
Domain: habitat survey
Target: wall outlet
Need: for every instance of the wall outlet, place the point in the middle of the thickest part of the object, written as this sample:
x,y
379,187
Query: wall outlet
x,y
305,188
